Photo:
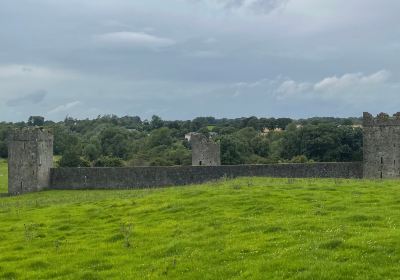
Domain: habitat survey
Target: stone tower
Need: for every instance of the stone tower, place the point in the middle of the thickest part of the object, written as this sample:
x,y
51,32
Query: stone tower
x,y
30,157
205,151
381,147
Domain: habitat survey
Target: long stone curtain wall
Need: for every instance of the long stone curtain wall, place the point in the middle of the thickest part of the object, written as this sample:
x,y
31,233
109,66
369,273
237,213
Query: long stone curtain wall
x,y
143,177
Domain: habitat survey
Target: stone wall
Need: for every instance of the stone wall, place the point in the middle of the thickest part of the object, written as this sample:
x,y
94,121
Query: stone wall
x,y
142,177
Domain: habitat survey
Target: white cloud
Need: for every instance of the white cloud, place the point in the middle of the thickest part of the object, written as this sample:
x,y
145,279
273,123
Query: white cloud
x,y
347,85
351,81
258,6
134,39
290,87
64,107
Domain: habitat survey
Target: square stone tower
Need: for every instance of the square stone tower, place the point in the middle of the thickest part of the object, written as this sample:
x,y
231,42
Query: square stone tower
x,y
30,157
205,151
381,146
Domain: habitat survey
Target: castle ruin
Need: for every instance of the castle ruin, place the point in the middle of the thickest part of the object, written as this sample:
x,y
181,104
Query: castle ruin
x,y
30,159
205,152
381,146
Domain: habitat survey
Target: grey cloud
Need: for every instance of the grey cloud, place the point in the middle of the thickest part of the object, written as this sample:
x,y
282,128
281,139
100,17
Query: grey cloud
x,y
266,6
32,98
258,6
232,3
64,107
134,39
198,49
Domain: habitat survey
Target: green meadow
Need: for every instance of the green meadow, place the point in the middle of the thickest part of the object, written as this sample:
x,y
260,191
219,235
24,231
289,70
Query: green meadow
x,y
247,228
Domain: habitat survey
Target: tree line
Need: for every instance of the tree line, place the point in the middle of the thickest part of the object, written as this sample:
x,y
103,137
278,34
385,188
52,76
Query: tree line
x,y
110,140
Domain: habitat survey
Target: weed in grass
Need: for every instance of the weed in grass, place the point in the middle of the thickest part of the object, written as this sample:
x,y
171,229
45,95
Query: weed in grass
x,y
30,231
98,265
116,237
236,186
358,218
215,224
64,228
9,276
272,229
58,243
310,181
127,231
250,182
337,208
337,181
290,181
321,213
38,264
224,178
332,244
89,276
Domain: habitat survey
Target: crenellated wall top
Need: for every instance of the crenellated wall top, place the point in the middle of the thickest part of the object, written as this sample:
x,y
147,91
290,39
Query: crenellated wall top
x,y
30,134
382,119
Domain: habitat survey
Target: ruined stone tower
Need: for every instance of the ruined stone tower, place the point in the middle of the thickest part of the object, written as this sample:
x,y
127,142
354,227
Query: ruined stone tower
x,y
30,157
204,151
381,147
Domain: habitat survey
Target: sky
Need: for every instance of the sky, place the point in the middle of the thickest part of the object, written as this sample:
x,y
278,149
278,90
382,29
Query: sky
x,y
180,59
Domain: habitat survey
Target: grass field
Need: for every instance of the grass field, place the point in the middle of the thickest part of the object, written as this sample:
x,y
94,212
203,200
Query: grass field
x,y
256,228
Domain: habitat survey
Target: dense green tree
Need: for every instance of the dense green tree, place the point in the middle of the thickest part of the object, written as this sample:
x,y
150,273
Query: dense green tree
x,y
3,149
160,137
36,121
71,158
233,150
92,151
114,142
160,161
107,161
156,122
159,142
260,146
179,155
64,138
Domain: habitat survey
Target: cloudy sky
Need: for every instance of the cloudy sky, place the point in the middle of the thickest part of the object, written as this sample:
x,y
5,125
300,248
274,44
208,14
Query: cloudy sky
x,y
185,58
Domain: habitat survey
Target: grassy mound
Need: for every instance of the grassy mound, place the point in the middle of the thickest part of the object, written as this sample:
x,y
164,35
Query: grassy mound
x,y
249,228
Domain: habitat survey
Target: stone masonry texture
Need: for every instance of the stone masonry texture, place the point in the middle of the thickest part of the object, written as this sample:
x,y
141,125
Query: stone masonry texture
x,y
205,152
381,146
146,177
30,160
